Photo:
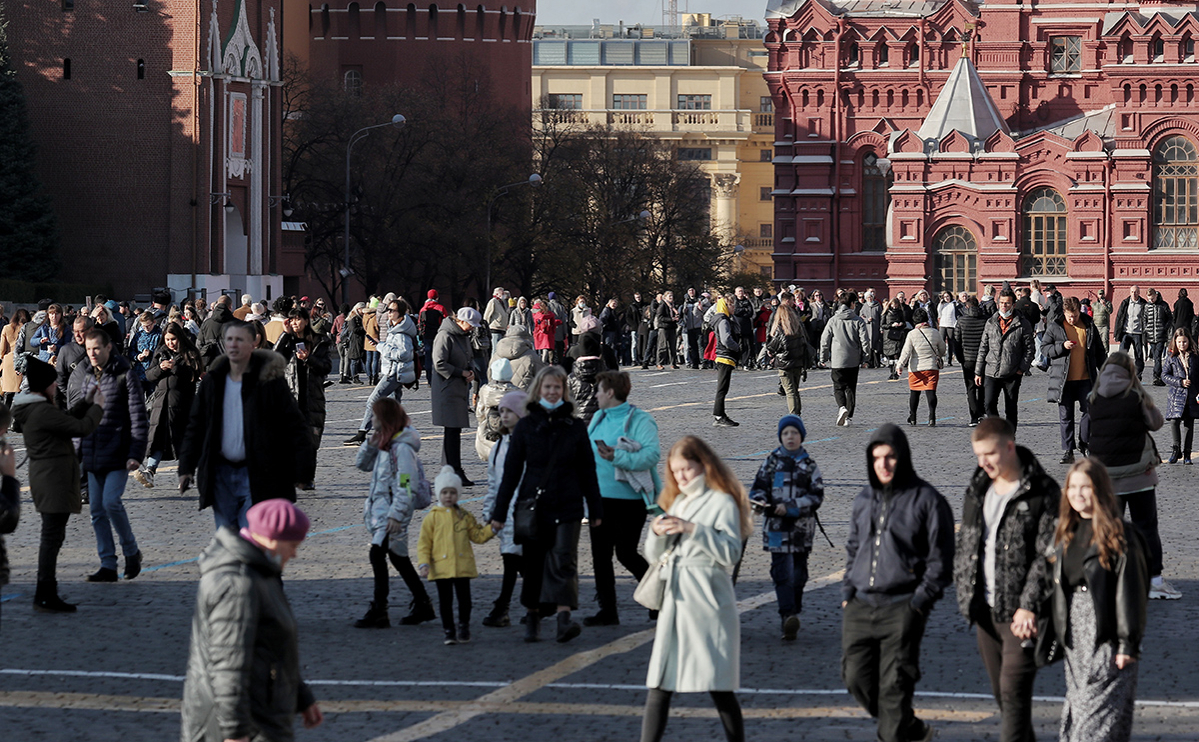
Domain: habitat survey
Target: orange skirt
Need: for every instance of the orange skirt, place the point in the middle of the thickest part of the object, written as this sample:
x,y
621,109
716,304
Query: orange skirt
x,y
923,381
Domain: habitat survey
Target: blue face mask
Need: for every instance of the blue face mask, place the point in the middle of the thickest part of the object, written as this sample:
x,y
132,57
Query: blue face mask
x,y
550,405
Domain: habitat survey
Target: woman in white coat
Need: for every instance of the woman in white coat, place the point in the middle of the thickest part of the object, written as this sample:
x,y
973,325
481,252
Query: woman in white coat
x,y
697,649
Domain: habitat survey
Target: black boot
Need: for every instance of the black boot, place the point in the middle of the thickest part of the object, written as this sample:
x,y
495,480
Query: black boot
x,y
421,611
605,617
532,627
46,600
567,629
133,566
103,575
376,617
1175,454
498,618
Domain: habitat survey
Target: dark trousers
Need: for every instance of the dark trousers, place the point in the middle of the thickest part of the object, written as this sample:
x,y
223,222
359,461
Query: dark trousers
x,y
54,532
950,345
1012,670
789,379
651,348
451,449
1135,342
880,663
1074,391
513,568
619,533
668,342
551,573
914,403
1142,510
642,351
1010,386
845,387
1155,353
789,573
446,589
657,711
403,565
724,374
1176,426
428,361
974,394
695,354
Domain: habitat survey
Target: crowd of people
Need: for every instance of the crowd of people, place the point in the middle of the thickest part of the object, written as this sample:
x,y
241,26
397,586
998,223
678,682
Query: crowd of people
x,y
238,398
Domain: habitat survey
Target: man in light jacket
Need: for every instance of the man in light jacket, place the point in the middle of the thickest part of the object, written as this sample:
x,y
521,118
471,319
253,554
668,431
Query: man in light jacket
x,y
1130,326
900,559
844,347
1004,357
496,315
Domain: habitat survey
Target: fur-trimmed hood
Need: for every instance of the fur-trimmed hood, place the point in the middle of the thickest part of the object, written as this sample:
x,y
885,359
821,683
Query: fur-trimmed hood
x,y
265,365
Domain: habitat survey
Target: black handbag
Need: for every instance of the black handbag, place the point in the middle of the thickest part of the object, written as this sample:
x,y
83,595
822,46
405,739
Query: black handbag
x,y
1048,648
524,518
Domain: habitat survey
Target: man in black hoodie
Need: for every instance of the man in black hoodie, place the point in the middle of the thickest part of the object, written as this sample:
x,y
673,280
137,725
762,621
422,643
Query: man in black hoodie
x,y
1008,518
900,554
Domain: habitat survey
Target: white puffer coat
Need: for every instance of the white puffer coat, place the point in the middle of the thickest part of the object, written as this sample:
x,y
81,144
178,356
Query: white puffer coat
x,y
393,479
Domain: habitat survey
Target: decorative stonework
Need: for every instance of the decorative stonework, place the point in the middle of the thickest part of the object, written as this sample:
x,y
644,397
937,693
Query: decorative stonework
x,y
240,54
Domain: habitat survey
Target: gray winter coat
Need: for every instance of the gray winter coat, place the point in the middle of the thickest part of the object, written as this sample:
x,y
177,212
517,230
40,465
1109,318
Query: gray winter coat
x,y
872,314
243,668
1002,354
452,358
845,342
517,347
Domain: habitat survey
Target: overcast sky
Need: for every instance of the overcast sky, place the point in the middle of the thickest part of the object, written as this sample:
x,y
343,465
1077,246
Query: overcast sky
x,y
581,12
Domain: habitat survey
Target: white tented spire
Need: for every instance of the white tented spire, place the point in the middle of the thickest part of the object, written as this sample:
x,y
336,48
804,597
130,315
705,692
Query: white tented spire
x,y
963,105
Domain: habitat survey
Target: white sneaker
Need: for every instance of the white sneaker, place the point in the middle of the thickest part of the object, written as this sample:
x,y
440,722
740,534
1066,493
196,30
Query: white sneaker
x,y
848,422
144,477
1163,591
842,416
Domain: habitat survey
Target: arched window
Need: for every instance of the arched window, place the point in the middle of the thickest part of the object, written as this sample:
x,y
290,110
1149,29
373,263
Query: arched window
x,y
1044,234
884,55
1175,194
434,30
352,82
380,20
461,28
955,258
353,21
876,199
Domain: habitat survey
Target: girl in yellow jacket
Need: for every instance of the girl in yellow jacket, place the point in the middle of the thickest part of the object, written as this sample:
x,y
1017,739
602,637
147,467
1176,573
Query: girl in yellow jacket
x,y
445,554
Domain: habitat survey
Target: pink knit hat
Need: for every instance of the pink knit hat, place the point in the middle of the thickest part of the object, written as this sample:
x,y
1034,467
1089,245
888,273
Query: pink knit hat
x,y
515,401
277,519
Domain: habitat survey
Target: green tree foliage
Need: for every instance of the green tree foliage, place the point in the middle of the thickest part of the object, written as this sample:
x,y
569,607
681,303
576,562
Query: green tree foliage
x,y
28,230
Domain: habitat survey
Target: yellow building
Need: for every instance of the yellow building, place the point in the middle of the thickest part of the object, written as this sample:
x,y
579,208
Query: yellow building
x,y
699,87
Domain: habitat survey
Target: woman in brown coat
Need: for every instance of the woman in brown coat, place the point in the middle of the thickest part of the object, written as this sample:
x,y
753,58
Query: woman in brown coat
x,y
10,380
53,468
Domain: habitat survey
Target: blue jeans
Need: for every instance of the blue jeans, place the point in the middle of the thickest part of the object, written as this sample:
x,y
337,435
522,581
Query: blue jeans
x,y
789,573
232,497
387,386
108,512
372,362
153,460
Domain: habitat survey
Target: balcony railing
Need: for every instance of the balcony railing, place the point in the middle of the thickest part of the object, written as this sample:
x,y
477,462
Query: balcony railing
x,y
662,120
758,243
764,121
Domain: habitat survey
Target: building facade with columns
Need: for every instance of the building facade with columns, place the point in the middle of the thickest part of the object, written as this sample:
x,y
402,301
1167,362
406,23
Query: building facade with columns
x,y
158,133
699,87
950,144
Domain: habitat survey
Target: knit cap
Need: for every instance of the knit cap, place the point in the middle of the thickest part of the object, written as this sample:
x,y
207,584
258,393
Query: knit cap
x,y
432,293
446,479
277,519
500,370
515,401
39,374
792,421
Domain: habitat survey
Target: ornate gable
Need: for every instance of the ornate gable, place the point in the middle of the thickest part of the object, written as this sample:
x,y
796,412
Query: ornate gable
x,y
239,53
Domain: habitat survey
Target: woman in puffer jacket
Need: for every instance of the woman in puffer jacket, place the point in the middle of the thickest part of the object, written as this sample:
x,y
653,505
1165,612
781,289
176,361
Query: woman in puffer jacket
x,y
1181,375
588,364
788,345
390,455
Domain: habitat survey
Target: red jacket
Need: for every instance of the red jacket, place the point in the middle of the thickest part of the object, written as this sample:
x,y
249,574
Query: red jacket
x,y
760,323
545,324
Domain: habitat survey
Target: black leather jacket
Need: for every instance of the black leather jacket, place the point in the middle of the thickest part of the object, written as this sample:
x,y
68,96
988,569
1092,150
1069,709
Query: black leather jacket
x,y
790,351
1120,594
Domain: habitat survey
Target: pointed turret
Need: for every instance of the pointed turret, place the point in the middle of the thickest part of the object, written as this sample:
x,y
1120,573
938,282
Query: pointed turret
x,y
964,105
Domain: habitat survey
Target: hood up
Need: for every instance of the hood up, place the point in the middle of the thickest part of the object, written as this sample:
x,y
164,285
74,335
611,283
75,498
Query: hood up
x,y
891,435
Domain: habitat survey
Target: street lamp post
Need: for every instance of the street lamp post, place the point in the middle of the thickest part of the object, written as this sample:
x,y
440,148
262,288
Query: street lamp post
x,y
533,180
397,121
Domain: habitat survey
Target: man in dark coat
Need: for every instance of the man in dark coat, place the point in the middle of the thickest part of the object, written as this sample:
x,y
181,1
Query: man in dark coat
x,y
638,330
246,440
969,331
1008,517
208,341
1129,330
1004,357
1159,324
1184,311
428,320
900,557
115,448
1075,354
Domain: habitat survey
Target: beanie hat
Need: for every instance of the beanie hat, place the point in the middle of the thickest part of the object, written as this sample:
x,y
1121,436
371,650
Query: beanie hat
x,y
792,421
277,519
111,304
511,303
39,374
44,304
515,401
500,370
432,294
446,479
552,295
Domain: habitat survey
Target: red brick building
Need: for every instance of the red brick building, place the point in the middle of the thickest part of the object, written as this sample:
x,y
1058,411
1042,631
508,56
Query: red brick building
x,y
385,42
951,144
158,131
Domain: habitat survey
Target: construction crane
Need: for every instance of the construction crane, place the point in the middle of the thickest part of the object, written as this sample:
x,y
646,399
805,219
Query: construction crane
x,y
670,13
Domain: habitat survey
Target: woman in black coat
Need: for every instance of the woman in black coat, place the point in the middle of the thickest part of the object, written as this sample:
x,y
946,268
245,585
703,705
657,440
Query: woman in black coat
x,y
895,333
308,363
173,371
550,459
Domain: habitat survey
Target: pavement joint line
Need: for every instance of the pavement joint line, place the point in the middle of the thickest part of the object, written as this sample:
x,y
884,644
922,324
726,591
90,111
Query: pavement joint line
x,y
448,720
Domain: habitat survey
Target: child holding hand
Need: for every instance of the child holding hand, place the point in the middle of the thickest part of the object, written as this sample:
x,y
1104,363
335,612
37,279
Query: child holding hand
x,y
788,490
445,555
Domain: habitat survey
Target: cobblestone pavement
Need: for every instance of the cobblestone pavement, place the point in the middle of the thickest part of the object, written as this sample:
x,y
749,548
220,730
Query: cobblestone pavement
x,y
114,670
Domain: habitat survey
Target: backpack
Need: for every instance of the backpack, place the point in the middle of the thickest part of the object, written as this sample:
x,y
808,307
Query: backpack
x,y
422,491
492,429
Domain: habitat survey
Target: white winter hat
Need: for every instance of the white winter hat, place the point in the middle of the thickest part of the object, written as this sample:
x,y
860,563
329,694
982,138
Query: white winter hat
x,y
501,370
447,480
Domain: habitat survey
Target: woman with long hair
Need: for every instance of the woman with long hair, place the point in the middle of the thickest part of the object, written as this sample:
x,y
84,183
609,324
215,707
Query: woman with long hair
x,y
1181,375
52,335
171,376
788,343
551,462
895,332
10,380
922,355
1100,580
309,361
697,644
1123,417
